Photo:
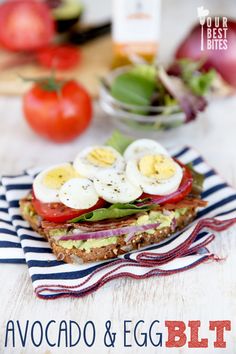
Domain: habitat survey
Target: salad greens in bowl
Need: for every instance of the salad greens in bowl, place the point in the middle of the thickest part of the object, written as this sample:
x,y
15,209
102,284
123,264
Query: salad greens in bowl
x,y
149,98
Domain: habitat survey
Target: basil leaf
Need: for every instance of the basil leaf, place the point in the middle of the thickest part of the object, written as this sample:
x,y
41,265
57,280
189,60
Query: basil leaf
x,y
132,88
115,211
119,141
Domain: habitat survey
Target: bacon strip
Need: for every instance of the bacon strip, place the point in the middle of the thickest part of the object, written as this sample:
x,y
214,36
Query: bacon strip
x,y
90,226
185,203
122,222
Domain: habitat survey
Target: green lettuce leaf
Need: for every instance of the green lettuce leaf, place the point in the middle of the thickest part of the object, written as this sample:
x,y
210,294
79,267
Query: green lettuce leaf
x,y
198,180
133,88
119,141
147,71
115,211
199,82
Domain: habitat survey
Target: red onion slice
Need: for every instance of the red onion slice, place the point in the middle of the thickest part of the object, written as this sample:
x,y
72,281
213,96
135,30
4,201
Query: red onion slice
x,y
108,233
166,198
184,189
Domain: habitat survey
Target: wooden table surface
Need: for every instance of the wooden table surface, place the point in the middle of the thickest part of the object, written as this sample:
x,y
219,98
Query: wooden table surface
x,y
205,293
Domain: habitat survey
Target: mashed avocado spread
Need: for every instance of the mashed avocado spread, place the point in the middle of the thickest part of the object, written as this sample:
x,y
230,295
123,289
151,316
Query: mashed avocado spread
x,y
153,216
87,245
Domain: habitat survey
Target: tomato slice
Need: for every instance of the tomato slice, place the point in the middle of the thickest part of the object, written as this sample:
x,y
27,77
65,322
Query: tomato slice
x,y
61,57
58,212
25,25
173,198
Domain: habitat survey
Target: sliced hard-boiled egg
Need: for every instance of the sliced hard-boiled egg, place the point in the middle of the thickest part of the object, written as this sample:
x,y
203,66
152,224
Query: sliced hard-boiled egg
x,y
78,193
114,187
98,158
156,174
47,183
143,147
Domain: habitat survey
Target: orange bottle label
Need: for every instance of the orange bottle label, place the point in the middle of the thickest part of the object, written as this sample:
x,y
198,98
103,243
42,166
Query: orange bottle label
x,y
136,27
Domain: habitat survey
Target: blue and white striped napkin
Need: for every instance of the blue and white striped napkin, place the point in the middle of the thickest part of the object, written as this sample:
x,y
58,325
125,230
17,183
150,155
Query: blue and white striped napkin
x,y
10,246
52,278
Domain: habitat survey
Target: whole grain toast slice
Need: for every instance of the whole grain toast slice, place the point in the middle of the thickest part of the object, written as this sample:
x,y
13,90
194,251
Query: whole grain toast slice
x,y
121,246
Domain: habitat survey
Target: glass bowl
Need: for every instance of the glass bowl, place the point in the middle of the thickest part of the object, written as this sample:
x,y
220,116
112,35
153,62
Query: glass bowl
x,y
137,119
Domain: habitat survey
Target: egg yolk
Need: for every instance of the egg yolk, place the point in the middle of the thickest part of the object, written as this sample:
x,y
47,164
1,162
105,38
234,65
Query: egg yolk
x,y
158,166
101,157
58,176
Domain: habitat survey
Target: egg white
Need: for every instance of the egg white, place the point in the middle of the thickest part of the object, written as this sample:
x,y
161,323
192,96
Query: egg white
x,y
143,147
152,185
114,187
87,169
43,192
78,193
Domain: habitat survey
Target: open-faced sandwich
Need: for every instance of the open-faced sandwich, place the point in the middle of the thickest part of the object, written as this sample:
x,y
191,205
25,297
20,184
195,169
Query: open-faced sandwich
x,y
113,199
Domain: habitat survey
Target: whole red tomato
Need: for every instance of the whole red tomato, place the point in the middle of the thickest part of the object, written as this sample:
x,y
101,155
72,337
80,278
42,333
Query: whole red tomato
x,y
56,110
25,25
